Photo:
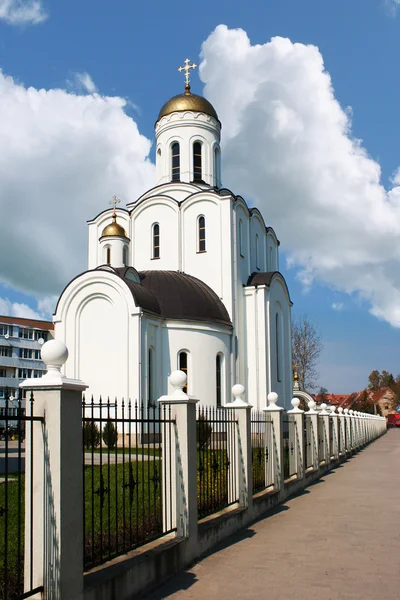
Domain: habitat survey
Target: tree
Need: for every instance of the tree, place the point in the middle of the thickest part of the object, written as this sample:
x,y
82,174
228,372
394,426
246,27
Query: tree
x,y
374,379
306,348
387,379
110,435
91,435
322,394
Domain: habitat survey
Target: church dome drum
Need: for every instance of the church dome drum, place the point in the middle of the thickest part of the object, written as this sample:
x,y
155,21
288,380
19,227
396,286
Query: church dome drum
x,y
188,102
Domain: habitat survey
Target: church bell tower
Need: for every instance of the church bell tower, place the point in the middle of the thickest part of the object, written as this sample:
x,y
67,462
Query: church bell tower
x,y
188,134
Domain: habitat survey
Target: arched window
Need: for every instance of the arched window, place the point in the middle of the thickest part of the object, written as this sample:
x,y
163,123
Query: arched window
x,y
108,255
183,366
176,162
197,174
257,252
202,234
278,346
125,256
150,375
218,373
241,249
217,178
156,241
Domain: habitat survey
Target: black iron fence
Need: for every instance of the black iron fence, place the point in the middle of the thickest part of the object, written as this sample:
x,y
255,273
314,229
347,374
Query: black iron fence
x,y
128,452
290,444
309,443
260,450
15,539
321,439
217,480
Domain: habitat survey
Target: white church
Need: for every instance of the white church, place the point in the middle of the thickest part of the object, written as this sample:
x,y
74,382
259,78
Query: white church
x,y
185,277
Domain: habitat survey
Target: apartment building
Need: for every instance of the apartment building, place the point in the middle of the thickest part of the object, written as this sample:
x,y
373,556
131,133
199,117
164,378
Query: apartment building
x,y
20,343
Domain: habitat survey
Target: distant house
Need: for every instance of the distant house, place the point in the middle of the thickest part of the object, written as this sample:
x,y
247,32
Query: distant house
x,y
333,399
385,398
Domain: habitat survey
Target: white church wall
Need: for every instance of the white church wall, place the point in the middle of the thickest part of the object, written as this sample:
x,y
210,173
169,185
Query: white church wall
x,y
280,342
203,343
165,212
272,252
257,371
97,320
258,251
177,190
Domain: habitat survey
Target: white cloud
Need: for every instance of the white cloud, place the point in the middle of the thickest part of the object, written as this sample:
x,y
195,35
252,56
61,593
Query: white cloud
x,y
83,82
22,12
288,146
391,7
16,309
337,305
62,157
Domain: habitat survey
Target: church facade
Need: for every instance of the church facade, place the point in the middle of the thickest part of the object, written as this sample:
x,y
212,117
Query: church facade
x,y
186,277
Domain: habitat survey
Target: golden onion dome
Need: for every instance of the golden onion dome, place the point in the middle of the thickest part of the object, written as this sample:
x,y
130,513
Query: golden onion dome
x,y
114,229
188,101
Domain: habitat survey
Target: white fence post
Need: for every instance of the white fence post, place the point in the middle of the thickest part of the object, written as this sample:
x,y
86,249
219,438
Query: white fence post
x,y
274,414
348,431
298,418
335,433
325,432
184,486
57,523
244,454
312,414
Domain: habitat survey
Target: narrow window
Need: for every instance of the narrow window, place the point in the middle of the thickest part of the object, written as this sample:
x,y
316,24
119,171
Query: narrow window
x,y
202,234
176,162
218,372
150,378
257,252
241,249
108,255
197,175
156,240
277,347
216,167
183,366
125,256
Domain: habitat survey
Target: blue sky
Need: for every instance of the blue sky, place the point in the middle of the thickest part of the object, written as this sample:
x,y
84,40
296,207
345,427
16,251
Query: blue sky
x,y
131,51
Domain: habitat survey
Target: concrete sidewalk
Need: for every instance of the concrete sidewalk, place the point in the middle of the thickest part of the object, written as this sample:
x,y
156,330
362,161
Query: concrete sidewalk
x,y
339,540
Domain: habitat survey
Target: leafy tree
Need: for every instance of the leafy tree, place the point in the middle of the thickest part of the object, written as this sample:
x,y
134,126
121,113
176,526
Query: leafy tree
x,y
110,435
91,435
306,348
387,379
203,432
374,379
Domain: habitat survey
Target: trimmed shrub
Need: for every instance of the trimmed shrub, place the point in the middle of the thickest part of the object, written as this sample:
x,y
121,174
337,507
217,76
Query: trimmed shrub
x,y
203,432
91,435
110,435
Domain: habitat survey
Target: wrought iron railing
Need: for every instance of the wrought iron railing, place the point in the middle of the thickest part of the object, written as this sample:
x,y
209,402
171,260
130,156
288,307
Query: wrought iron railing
x,y
321,439
259,451
16,541
217,452
308,443
127,457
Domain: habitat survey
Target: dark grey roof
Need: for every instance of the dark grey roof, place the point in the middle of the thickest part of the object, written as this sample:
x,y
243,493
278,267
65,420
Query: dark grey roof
x,y
175,295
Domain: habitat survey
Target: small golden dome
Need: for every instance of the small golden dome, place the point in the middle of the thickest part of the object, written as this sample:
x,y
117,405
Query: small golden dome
x,y
188,101
114,229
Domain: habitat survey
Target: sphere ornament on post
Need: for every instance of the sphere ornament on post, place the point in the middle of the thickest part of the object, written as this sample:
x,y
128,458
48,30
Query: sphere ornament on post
x,y
272,400
340,410
295,402
323,409
333,410
238,391
54,354
178,380
312,406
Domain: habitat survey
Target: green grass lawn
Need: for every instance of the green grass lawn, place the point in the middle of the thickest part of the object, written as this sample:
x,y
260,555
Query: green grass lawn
x,y
10,543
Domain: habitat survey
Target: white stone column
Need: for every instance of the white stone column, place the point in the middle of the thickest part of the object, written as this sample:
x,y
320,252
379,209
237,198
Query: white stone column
x,y
57,520
312,414
326,441
352,430
184,467
334,422
298,417
274,414
348,431
342,432
244,457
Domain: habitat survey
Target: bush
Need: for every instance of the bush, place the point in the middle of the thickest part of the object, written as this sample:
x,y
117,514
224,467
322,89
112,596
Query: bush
x,y
91,435
110,435
203,432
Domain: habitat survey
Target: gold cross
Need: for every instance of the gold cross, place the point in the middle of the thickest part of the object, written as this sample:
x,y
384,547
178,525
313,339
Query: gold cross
x,y
114,201
187,68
